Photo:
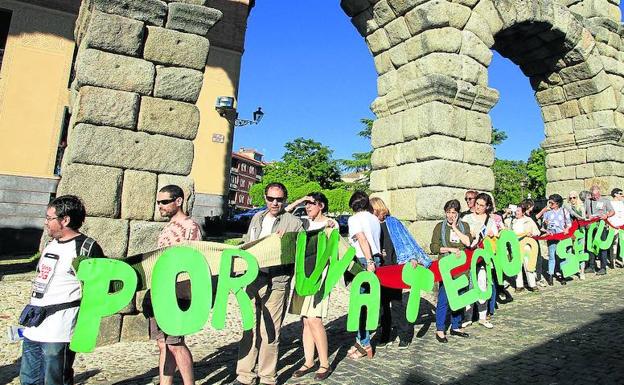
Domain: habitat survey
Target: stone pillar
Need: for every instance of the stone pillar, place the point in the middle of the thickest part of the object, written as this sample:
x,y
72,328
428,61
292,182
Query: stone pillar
x,y
432,135
137,76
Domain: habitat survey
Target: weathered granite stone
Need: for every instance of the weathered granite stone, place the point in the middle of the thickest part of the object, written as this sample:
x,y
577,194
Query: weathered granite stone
x,y
587,87
186,184
384,157
564,187
378,41
478,153
378,180
102,145
134,328
574,157
397,31
383,63
144,236
445,39
176,83
353,7
605,100
365,22
192,18
150,11
114,33
560,173
140,300
570,109
605,153
556,159
168,117
432,118
106,107
437,14
386,131
168,47
383,13
585,171
110,330
400,7
422,203
422,230
111,234
130,307
196,2
98,187
138,196
609,169
474,47
553,95
102,69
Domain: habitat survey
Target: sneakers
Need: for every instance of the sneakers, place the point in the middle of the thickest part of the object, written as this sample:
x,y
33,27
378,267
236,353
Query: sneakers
x,y
403,345
602,271
589,270
384,343
533,289
465,324
582,276
485,323
519,290
549,279
542,283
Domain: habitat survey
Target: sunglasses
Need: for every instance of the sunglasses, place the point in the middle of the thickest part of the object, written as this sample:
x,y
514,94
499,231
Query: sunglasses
x,y
469,199
274,199
571,197
311,203
165,201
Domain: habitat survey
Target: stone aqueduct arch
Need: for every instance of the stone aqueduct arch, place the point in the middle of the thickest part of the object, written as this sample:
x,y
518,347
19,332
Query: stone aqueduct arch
x,y
140,63
432,135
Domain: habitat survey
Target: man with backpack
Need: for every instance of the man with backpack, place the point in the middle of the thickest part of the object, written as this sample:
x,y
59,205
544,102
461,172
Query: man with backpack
x,y
51,315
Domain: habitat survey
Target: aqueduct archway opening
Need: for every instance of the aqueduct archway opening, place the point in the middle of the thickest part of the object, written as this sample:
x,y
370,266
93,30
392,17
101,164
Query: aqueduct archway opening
x,y
432,134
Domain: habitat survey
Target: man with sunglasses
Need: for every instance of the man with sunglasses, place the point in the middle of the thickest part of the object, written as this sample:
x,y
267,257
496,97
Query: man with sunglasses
x,y
470,198
259,347
598,207
173,350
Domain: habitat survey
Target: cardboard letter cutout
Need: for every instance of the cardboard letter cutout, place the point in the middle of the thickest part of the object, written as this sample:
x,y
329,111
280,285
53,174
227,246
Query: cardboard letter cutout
x,y
305,285
170,318
337,267
359,300
453,286
97,275
237,286
571,264
417,279
579,245
510,267
487,258
530,251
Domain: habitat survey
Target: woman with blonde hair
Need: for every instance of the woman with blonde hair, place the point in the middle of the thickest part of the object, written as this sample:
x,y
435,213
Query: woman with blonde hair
x,y
397,247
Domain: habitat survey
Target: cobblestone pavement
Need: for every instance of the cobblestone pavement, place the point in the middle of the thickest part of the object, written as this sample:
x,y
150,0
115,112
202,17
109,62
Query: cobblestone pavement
x,y
562,335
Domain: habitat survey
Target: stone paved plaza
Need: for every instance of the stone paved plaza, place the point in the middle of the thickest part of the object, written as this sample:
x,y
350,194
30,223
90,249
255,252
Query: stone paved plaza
x,y
563,335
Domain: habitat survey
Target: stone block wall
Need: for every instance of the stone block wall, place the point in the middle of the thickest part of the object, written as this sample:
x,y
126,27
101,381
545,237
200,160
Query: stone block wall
x,y
432,135
137,76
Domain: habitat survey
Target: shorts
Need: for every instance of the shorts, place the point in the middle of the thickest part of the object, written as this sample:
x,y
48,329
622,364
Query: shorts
x,y
157,334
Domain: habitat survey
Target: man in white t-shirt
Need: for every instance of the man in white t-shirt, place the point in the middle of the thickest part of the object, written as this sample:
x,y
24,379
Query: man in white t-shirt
x,y
364,236
617,220
46,358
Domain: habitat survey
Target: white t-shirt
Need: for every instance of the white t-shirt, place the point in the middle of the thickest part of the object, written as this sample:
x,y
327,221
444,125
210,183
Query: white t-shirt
x,y
618,219
56,283
367,223
267,225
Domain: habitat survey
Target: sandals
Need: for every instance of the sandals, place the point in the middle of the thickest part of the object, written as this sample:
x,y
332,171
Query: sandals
x,y
303,372
357,351
323,376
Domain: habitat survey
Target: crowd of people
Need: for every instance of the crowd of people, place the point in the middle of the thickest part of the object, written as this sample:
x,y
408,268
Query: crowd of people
x,y
379,240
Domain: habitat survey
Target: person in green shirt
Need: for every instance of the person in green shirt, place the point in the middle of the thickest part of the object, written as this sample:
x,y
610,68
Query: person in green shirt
x,y
449,238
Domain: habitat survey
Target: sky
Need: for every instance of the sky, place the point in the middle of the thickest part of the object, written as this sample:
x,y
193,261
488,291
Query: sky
x,y
312,74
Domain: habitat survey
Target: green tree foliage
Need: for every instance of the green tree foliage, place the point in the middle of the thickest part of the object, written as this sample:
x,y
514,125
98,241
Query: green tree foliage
x,y
509,176
313,160
361,161
536,171
498,136
306,166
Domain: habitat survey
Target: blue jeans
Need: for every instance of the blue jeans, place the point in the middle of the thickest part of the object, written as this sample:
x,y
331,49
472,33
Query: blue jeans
x,y
492,301
442,311
363,336
48,363
552,257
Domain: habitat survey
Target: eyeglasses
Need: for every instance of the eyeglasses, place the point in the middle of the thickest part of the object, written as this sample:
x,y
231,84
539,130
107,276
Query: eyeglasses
x,y
48,219
273,199
165,201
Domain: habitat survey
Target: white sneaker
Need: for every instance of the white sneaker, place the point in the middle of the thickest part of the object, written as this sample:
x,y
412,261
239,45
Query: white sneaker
x,y
466,324
487,324
582,276
542,283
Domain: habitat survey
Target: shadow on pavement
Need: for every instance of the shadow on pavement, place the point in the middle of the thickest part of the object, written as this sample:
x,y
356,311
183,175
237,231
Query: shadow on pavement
x,y
591,354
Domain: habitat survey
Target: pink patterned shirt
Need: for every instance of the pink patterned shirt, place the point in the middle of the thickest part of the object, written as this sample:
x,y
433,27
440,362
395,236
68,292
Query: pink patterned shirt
x,y
178,231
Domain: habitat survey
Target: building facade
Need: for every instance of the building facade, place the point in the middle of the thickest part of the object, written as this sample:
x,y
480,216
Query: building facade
x,y
247,169
37,52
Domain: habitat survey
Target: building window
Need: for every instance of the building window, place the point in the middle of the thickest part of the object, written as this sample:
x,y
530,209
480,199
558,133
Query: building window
x,y
252,170
249,200
244,167
241,198
5,22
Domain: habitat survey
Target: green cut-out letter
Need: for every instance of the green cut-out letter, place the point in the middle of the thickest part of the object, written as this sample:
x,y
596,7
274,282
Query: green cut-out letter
x,y
453,286
417,279
571,264
337,266
97,275
170,318
237,286
305,285
509,267
579,245
604,244
591,234
359,300
488,257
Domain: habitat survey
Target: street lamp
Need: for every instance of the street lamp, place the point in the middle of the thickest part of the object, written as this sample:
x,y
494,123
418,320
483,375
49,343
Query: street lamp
x,y
225,107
